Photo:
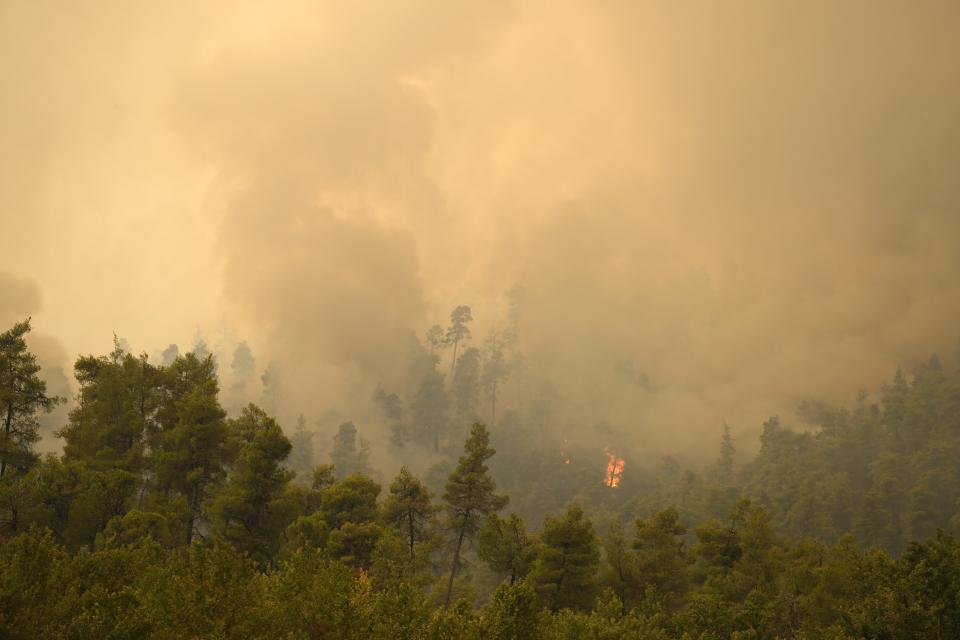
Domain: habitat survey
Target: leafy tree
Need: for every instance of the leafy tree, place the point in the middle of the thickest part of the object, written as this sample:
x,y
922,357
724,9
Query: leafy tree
x,y
470,496
409,510
23,397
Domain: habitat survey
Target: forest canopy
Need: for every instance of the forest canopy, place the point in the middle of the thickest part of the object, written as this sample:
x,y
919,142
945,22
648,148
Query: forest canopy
x,y
166,516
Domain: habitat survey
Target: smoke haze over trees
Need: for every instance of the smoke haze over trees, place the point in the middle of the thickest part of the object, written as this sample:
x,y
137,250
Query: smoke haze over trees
x,y
691,271
724,204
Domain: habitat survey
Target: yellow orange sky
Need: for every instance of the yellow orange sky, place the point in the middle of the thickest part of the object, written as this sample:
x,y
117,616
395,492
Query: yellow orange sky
x,y
750,203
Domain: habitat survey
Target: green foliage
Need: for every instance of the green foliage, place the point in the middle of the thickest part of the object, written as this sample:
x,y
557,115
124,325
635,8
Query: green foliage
x,y
23,397
430,410
409,510
190,446
350,454
165,519
565,575
505,546
248,510
470,496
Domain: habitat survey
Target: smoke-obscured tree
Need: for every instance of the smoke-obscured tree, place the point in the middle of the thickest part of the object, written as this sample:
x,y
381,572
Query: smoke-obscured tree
x,y
390,408
409,510
242,367
301,455
466,383
458,331
23,397
350,454
725,460
495,371
169,355
470,496
436,339
565,574
245,509
505,546
430,409
201,350
270,388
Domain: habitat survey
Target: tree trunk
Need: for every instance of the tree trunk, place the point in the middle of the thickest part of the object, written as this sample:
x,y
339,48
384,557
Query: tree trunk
x,y
453,363
453,569
7,425
410,524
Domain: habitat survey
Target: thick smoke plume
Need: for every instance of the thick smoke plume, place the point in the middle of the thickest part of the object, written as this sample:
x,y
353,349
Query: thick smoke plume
x,y
713,211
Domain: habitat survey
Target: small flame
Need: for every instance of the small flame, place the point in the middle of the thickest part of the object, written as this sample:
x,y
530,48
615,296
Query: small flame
x,y
563,452
614,469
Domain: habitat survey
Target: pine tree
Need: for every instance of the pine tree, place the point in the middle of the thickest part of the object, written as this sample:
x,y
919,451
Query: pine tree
x,y
301,455
430,409
725,461
243,509
350,453
495,371
505,546
188,450
23,397
458,331
408,508
565,575
661,558
619,569
466,383
470,496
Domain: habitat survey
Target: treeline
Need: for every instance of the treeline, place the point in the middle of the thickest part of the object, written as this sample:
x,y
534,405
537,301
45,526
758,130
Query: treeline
x,y
884,472
735,581
166,518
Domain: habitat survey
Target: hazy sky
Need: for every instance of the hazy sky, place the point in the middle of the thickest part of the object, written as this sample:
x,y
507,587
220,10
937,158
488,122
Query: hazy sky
x,y
749,202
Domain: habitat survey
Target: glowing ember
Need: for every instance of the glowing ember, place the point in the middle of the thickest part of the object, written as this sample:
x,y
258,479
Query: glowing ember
x,y
614,469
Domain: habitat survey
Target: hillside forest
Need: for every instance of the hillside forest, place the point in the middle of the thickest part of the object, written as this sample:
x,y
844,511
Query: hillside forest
x,y
163,515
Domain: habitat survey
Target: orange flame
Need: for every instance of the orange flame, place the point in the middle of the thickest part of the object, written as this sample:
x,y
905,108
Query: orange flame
x,y
614,469
563,452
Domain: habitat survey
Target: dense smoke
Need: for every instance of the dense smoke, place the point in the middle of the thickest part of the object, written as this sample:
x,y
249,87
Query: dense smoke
x,y
713,211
